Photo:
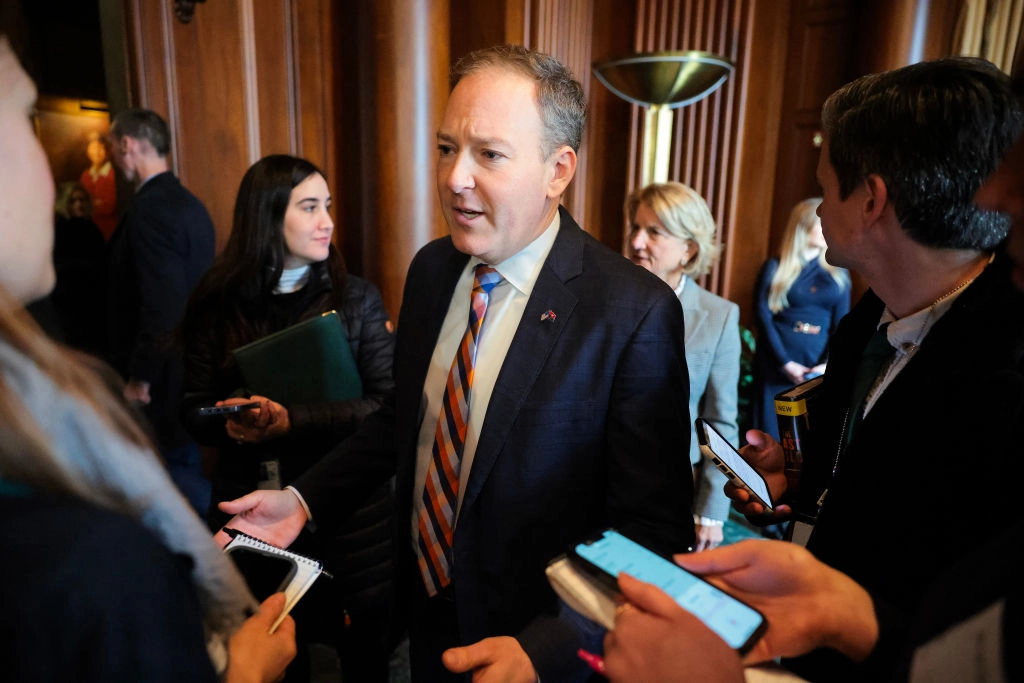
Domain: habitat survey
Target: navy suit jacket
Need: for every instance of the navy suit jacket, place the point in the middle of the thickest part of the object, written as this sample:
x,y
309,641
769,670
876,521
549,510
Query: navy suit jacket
x,y
162,246
583,431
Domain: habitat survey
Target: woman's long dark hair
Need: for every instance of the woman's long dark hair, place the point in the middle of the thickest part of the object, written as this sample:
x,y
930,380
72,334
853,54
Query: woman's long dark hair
x,y
242,279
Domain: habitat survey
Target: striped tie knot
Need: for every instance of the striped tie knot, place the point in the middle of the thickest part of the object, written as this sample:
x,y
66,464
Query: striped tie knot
x,y
486,279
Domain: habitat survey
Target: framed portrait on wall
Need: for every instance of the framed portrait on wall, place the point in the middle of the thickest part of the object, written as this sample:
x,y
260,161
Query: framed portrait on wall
x,y
73,133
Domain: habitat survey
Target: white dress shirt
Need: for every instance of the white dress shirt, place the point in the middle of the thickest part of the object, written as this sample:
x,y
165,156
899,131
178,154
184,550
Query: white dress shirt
x,y
505,308
906,335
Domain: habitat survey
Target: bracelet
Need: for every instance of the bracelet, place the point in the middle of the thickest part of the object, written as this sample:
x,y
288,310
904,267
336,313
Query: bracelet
x,y
700,520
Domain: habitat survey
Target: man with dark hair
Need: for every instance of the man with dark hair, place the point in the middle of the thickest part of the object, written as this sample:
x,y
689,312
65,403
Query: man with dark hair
x,y
163,244
926,371
969,622
577,406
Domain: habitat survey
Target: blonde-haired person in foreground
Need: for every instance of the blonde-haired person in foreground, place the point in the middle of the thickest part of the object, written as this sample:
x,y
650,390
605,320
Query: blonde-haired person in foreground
x,y
672,234
107,573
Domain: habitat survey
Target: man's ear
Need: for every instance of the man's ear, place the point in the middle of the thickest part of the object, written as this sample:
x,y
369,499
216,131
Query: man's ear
x,y
564,168
876,199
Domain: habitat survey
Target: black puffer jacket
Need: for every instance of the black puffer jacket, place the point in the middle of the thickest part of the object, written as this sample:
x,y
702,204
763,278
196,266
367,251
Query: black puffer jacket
x,y
359,555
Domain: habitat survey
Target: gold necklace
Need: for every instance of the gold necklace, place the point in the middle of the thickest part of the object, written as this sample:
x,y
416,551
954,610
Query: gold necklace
x,y
931,309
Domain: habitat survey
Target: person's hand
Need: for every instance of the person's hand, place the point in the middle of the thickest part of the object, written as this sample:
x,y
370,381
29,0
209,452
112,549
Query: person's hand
x,y
137,391
269,421
492,660
765,455
276,517
817,369
708,537
255,654
794,371
807,603
655,639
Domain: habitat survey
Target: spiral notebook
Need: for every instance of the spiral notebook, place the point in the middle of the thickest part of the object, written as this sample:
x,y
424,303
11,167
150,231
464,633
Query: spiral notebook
x,y
268,569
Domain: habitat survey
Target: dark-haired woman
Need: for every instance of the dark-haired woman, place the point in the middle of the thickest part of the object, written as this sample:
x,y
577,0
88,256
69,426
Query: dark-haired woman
x,y
278,268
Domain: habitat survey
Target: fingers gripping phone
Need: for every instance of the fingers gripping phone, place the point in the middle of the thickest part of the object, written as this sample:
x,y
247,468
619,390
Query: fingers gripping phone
x,y
720,452
603,558
228,410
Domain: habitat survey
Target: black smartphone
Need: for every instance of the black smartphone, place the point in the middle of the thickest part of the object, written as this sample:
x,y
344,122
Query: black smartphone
x,y
720,452
603,558
265,574
228,410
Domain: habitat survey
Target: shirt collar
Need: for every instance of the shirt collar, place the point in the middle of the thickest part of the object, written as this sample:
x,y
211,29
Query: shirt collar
x,y
682,284
522,268
910,330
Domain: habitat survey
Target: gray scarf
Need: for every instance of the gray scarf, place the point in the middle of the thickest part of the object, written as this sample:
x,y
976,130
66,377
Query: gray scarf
x,y
90,451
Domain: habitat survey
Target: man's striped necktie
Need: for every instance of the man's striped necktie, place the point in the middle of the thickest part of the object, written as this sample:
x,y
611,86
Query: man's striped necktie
x,y
441,492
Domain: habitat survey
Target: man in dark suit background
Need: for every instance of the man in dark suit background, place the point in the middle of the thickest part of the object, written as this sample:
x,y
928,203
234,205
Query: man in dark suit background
x,y
163,244
578,413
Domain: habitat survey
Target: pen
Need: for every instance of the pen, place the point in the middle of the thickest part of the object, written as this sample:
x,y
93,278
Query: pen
x,y
595,662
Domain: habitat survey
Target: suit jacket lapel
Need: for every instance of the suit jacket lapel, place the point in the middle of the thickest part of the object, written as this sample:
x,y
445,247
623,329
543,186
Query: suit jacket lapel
x,y
530,348
693,315
423,312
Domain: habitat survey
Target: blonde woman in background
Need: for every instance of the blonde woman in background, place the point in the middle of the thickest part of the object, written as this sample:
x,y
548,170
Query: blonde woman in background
x,y
799,301
672,234
107,574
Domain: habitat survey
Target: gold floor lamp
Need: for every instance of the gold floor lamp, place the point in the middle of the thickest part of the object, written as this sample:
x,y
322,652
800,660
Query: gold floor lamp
x,y
661,82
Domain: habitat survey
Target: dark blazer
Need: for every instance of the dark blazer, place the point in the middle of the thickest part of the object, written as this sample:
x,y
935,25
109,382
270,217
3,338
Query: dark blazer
x,y
163,245
91,595
583,431
359,554
918,486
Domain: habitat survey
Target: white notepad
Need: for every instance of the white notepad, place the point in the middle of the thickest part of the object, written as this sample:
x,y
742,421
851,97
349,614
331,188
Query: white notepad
x,y
588,597
296,572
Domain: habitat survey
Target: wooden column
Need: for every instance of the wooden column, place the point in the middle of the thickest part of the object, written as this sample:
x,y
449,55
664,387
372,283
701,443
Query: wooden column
x,y
403,91
895,33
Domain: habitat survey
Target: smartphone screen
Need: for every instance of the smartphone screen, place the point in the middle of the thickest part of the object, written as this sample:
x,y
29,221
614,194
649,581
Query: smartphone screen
x,y
722,453
736,622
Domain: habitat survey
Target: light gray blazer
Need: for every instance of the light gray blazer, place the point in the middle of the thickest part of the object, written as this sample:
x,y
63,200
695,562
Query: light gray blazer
x,y
713,359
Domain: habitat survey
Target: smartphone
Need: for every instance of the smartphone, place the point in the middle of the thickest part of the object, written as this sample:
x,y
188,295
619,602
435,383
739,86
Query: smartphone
x,y
228,410
264,573
603,558
726,458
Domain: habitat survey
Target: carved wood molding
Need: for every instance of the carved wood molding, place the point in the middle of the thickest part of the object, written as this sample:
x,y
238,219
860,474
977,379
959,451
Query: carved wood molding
x,y
185,9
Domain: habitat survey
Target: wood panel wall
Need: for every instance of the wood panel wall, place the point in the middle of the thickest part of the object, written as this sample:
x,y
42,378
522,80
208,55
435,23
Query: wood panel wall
x,y
717,147
243,79
366,87
706,138
820,58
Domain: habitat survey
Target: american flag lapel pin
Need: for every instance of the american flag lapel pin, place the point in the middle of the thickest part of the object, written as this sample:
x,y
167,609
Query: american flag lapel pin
x,y
547,315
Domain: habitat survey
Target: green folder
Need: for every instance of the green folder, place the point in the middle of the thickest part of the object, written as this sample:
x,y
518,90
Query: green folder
x,y
309,362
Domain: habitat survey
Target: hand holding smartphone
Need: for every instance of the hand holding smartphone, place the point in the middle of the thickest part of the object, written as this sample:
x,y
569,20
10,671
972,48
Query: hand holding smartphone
x,y
603,558
720,452
228,410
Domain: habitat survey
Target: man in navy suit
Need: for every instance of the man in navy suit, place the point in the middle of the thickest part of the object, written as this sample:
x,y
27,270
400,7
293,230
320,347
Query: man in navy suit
x,y
578,414
161,247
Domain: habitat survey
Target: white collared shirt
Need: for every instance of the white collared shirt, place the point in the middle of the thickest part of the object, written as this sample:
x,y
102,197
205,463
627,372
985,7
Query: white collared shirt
x,y
504,311
906,335
679,288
